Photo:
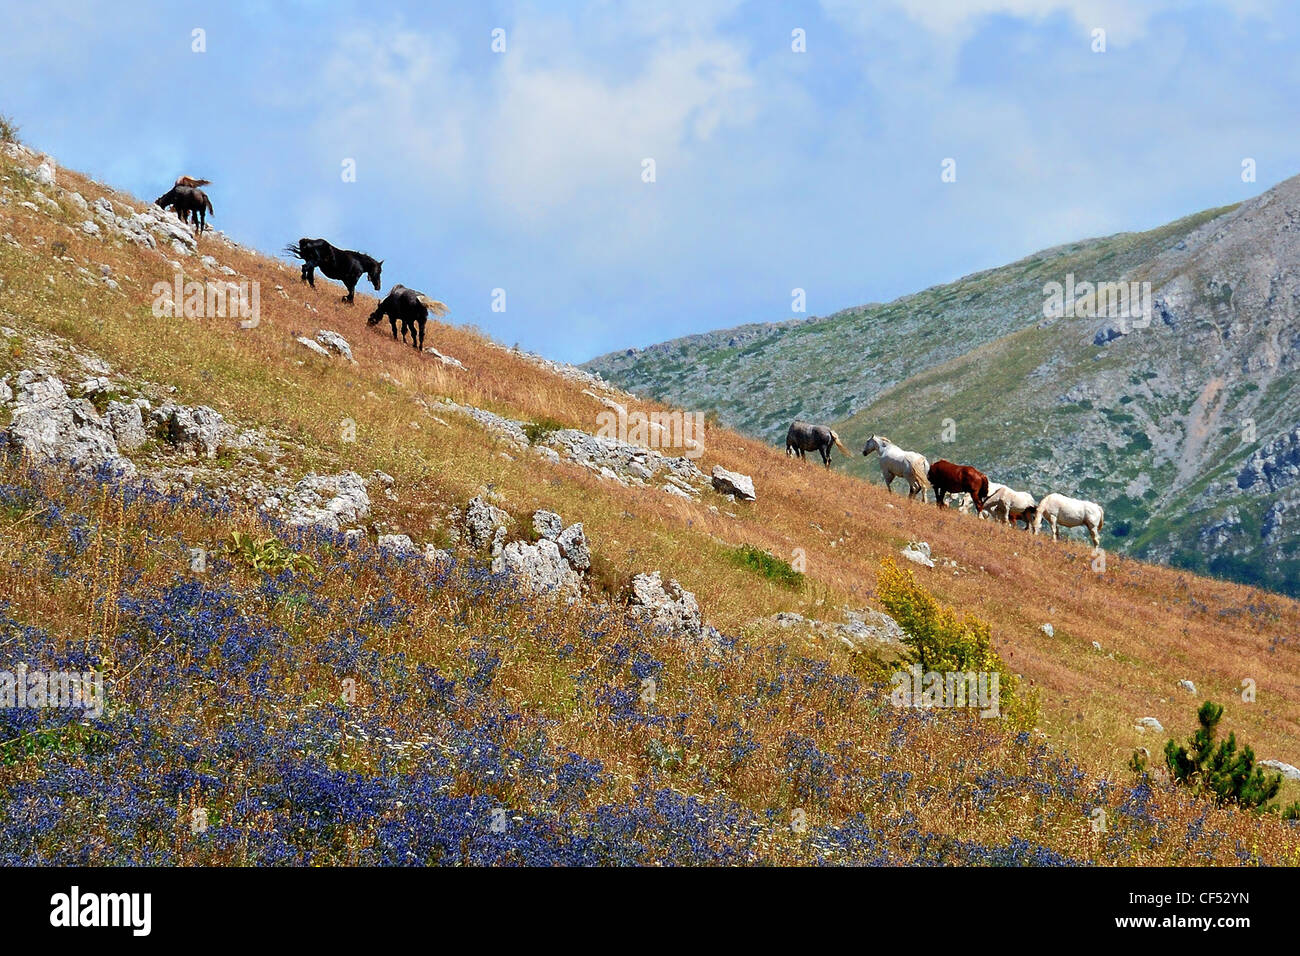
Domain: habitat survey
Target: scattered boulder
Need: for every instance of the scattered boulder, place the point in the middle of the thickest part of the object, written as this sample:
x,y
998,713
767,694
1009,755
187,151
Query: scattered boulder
x,y
444,359
668,606
435,555
733,483
1149,723
314,346
1048,630
918,552
44,174
398,545
335,343
1187,686
328,501
1285,769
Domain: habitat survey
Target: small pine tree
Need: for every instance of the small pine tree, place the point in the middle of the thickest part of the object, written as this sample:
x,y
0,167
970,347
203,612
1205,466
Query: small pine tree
x,y
1225,772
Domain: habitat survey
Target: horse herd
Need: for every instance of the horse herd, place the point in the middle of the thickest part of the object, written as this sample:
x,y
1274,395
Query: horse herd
x,y
411,310
402,305
946,478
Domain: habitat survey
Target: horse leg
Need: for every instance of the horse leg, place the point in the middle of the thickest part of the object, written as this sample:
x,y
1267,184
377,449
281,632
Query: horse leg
x,y
826,456
392,320
1055,531
420,347
1096,538
352,289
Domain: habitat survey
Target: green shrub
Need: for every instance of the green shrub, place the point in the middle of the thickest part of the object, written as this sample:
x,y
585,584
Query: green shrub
x,y
1223,771
768,565
8,130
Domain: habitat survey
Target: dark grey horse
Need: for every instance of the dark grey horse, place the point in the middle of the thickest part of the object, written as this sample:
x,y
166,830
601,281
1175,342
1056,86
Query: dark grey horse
x,y
409,307
342,264
186,200
805,436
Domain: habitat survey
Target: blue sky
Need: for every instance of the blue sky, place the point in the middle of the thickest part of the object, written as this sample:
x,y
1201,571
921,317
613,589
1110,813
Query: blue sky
x,y
774,169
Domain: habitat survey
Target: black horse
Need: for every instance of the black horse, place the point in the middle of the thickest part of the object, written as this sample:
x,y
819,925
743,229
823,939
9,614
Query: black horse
x,y
342,264
186,200
409,307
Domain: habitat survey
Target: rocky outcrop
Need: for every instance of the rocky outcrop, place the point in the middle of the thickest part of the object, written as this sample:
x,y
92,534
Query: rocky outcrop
x,y
625,462
126,419
669,606
198,429
1285,769
333,502
483,526
555,563
51,426
398,545
1273,467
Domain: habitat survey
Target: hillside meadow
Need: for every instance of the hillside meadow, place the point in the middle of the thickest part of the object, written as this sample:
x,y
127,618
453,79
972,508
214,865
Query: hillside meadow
x,y
485,726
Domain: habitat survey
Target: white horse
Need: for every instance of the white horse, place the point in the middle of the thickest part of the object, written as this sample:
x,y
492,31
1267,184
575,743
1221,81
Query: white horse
x,y
994,487
1069,513
911,466
1016,505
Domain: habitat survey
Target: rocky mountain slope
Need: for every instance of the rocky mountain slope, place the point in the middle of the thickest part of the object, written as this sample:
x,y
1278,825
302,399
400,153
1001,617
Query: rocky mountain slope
x,y
1182,426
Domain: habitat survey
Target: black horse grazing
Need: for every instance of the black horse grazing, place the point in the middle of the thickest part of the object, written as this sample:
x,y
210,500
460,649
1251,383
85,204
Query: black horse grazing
x,y
342,264
186,200
409,307
805,436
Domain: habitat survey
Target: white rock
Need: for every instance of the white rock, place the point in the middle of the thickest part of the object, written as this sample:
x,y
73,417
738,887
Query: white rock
x,y
668,606
733,483
1048,630
314,346
1149,723
914,553
1285,769
396,544
335,343
1187,686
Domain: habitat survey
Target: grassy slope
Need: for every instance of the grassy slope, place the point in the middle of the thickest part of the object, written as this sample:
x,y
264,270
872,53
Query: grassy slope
x,y
1155,625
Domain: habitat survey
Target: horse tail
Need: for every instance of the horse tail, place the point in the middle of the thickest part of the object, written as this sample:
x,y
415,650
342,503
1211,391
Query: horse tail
x,y
836,438
433,305
293,249
208,202
918,472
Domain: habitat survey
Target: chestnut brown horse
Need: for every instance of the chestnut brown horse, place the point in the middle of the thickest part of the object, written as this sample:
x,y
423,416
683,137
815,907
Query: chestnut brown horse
x,y
951,479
